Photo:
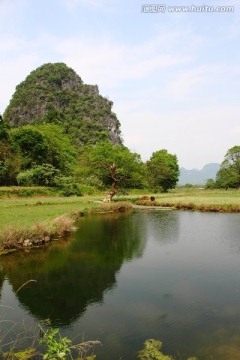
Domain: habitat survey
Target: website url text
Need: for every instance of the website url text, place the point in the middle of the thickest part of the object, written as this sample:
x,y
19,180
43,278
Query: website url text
x,y
162,8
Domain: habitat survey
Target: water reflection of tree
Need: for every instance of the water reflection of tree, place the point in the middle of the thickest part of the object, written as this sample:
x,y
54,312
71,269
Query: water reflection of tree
x,y
71,277
1,279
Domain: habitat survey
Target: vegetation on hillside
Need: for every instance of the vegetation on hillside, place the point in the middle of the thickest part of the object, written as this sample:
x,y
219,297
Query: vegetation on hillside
x,y
55,94
44,144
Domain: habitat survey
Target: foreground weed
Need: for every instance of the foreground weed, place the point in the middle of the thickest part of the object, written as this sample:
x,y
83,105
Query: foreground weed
x,y
58,347
152,351
26,354
62,225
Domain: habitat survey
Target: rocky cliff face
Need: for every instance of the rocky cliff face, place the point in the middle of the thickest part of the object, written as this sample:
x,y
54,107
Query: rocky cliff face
x,y
54,93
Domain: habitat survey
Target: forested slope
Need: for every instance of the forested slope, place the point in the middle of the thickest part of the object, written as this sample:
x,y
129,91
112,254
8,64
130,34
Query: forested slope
x,y
54,93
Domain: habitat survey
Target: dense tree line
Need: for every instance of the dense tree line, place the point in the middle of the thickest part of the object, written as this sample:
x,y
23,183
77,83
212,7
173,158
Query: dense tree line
x,y
228,175
42,154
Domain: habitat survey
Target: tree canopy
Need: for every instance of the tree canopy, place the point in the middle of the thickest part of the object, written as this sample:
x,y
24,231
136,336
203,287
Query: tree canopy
x,y
163,171
9,157
44,144
114,166
228,175
4,127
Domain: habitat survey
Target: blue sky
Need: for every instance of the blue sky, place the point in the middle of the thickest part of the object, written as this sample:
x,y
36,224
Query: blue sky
x,y
174,76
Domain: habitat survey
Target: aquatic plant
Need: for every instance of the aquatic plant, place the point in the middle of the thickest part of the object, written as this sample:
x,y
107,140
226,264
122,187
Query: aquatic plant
x,y
152,351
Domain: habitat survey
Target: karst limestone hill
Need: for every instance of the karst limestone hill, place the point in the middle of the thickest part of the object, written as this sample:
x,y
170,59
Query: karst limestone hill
x,y
54,93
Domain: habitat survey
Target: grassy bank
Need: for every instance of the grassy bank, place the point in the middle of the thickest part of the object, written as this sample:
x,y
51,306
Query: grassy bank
x,y
32,221
198,199
40,219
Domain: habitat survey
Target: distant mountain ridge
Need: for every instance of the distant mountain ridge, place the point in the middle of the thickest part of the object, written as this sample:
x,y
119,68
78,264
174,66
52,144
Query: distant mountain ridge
x,y
198,177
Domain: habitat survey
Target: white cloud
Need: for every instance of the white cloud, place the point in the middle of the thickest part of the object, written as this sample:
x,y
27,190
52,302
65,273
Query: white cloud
x,y
7,6
106,62
186,83
236,130
93,4
9,13
13,71
197,135
234,31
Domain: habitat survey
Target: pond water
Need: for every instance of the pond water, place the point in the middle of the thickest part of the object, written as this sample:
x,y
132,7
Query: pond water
x,y
122,279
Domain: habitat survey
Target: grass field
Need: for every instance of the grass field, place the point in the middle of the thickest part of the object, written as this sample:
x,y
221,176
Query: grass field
x,y
200,199
22,212
37,220
25,213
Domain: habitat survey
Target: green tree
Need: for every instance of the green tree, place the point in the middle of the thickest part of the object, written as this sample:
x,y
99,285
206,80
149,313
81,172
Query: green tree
x,y
163,171
9,157
4,127
210,184
31,144
9,163
115,166
228,175
42,175
44,144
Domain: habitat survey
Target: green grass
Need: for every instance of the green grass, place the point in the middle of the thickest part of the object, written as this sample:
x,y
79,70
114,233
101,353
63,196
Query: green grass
x,y
27,191
200,199
29,211
34,221
22,213
201,196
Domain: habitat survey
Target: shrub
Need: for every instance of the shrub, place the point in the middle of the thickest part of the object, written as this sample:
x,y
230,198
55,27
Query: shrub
x,y
43,175
93,180
25,178
67,185
210,184
48,175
